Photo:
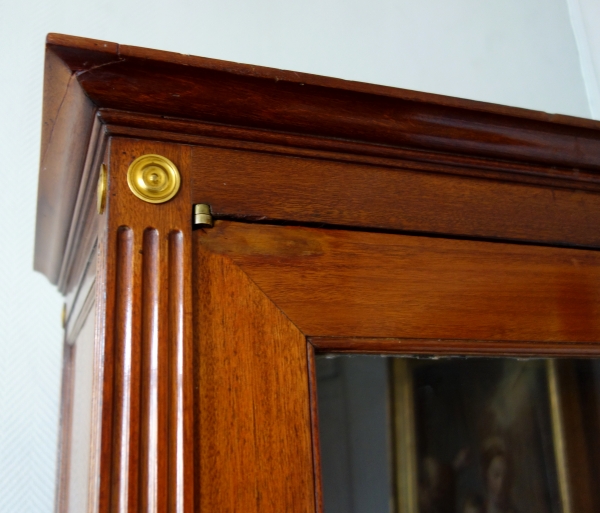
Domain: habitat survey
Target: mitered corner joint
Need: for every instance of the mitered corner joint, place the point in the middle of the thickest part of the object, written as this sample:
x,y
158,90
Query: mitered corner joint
x,y
202,215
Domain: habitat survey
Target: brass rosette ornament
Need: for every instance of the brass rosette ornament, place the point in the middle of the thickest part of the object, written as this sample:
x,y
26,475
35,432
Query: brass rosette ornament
x,y
153,178
101,189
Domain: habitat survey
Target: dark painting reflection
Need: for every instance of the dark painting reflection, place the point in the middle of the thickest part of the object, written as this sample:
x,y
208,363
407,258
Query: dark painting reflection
x,y
486,435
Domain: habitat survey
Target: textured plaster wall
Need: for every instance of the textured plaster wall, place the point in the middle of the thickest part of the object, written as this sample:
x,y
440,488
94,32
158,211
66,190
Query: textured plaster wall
x,y
516,52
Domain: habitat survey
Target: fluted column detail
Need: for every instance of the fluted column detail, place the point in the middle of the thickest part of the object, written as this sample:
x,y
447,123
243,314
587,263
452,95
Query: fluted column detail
x,y
148,381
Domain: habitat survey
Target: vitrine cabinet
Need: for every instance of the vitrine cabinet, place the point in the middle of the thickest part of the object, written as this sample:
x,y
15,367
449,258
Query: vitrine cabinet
x,y
213,226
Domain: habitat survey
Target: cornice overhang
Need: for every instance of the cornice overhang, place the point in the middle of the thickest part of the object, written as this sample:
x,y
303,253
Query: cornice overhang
x,y
87,79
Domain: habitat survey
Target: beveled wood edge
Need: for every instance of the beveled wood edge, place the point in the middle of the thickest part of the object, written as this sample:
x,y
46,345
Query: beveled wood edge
x,y
486,129
314,421
66,131
179,130
343,306
68,136
83,228
71,137
219,282
450,347
93,53
102,386
63,449
82,300
438,346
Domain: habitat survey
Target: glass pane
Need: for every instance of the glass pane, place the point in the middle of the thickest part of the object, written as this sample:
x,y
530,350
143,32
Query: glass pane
x,y
458,435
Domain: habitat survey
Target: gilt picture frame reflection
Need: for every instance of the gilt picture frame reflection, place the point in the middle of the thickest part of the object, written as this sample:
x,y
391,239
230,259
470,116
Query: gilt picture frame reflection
x,y
475,435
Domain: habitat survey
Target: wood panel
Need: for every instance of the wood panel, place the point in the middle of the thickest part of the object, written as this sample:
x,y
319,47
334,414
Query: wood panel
x,y
147,418
83,228
339,283
63,467
81,299
318,191
80,475
77,477
254,424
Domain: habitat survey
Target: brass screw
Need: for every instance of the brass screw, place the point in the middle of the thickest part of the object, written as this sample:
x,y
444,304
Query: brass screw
x,y
202,215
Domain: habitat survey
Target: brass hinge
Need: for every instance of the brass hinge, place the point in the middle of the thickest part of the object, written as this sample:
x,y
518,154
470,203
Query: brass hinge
x,y
202,215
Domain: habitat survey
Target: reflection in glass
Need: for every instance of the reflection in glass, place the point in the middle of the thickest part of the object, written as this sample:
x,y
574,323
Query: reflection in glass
x,y
458,435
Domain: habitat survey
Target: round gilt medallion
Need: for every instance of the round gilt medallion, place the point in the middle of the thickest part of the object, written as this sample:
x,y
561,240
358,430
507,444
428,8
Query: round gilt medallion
x,y
101,190
153,178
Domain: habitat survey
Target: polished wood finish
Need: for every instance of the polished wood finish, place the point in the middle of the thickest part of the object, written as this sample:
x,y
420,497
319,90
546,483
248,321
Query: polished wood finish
x,y
67,122
340,283
147,413
255,451
203,133
167,84
80,485
314,417
349,217
83,232
322,191
450,347
169,97
63,467
77,467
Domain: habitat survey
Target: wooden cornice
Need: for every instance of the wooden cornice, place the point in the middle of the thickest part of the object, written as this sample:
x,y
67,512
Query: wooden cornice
x,y
172,85
152,92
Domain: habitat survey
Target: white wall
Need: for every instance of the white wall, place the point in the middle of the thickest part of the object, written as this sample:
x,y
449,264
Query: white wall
x,y
585,19
516,52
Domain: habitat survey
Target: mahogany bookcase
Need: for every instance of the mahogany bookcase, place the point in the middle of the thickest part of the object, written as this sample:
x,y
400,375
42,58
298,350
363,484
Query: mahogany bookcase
x,y
346,217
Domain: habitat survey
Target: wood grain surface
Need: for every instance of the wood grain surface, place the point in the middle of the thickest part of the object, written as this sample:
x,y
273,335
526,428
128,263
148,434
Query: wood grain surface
x,y
169,97
203,387
63,467
147,411
82,233
149,81
338,283
254,423
322,191
66,130
464,347
81,476
189,131
314,417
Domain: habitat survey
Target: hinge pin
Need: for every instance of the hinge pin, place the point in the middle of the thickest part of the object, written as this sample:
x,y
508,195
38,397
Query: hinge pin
x,y
202,215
